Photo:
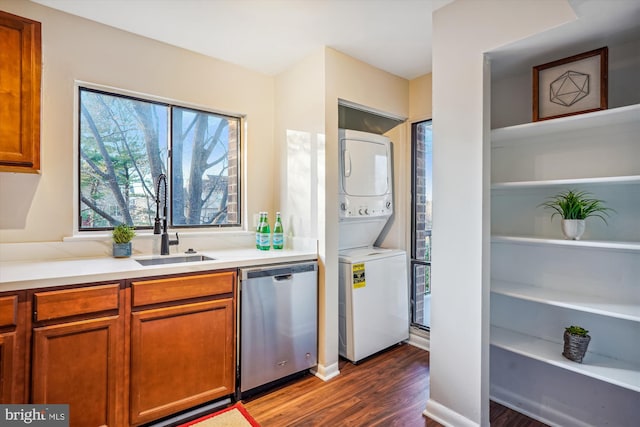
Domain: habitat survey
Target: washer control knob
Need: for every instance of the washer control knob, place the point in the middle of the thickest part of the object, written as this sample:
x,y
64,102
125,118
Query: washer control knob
x,y
343,206
366,211
360,211
388,205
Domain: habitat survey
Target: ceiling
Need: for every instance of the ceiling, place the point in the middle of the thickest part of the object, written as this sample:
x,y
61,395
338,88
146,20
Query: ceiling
x,y
599,23
269,36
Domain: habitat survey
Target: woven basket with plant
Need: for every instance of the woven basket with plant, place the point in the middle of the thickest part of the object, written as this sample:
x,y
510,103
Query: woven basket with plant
x,y
576,341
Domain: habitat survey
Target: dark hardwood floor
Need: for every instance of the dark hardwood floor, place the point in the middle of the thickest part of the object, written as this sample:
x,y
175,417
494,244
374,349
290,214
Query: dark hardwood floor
x,y
390,389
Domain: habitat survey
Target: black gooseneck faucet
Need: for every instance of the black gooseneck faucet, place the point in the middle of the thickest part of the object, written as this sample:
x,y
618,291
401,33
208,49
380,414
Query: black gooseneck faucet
x,y
164,242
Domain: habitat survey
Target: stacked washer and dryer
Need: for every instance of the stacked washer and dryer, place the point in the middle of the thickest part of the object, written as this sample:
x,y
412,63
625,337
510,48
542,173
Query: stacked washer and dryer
x,y
373,294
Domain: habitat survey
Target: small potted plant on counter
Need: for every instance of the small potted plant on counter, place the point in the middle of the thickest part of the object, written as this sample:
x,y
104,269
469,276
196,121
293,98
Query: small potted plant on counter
x,y
122,235
576,341
575,207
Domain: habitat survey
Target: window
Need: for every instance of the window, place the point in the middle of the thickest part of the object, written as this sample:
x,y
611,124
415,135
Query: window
x,y
126,143
421,224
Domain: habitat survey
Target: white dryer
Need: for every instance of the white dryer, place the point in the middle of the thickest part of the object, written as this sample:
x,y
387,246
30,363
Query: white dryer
x,y
366,187
373,295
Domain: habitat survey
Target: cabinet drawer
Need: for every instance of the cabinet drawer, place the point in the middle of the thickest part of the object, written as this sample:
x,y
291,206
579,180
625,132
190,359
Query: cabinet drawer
x,y
179,288
8,311
73,302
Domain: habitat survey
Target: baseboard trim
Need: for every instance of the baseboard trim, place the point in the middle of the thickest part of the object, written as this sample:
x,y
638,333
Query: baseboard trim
x,y
420,341
325,373
533,409
445,416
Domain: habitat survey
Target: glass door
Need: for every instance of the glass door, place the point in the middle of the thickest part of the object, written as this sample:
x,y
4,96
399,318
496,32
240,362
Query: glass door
x,y
421,222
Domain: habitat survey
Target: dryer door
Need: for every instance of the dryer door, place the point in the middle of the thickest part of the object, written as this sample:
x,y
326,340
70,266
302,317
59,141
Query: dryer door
x,y
365,168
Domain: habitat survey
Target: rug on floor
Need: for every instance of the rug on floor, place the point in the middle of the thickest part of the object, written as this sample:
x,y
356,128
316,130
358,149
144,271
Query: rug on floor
x,y
233,416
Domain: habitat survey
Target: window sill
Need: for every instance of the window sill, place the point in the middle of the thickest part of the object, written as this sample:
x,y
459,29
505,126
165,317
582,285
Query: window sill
x,y
148,234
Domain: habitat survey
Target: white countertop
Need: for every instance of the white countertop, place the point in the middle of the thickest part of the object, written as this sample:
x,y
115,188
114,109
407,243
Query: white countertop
x,y
18,275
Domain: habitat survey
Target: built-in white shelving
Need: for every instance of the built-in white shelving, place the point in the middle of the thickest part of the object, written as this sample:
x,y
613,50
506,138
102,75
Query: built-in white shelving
x,y
600,244
540,284
625,309
628,115
614,371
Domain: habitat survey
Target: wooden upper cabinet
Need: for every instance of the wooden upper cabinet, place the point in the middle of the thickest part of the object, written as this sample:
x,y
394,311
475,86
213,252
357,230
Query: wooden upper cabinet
x,y
20,73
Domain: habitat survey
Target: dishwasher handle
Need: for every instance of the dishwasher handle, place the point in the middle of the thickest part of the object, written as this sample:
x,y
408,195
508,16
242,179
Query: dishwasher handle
x,y
283,278
277,270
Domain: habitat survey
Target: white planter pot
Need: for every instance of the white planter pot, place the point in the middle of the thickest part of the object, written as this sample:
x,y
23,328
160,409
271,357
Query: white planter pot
x,y
573,229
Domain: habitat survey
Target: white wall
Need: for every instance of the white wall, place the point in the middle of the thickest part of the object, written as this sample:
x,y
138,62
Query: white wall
x,y
299,133
623,88
307,129
420,109
394,233
420,106
353,80
39,208
462,33
300,138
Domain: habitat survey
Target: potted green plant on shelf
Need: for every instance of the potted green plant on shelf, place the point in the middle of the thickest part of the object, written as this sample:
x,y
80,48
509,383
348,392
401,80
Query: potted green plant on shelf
x,y
575,207
576,341
122,235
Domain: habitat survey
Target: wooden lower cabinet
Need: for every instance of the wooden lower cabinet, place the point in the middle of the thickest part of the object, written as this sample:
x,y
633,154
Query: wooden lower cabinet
x,y
12,349
182,355
124,353
7,360
79,361
76,363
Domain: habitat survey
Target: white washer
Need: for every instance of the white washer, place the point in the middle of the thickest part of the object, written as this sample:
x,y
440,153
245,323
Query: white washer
x,y
373,298
373,301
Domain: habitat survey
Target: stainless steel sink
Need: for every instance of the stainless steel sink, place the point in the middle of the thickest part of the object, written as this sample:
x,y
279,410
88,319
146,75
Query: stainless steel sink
x,y
174,259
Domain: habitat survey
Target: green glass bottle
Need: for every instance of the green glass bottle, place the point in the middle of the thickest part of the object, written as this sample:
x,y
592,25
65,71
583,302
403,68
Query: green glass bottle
x,y
278,233
258,228
265,234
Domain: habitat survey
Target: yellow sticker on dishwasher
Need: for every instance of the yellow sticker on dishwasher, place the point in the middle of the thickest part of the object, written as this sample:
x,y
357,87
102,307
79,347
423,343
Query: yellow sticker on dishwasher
x,y
358,276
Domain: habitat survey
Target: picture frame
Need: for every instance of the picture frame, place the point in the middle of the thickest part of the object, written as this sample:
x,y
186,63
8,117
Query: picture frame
x,y
574,85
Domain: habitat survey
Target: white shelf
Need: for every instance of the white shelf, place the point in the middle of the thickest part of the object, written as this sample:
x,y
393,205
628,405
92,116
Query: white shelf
x,y
607,180
614,371
627,310
599,244
609,118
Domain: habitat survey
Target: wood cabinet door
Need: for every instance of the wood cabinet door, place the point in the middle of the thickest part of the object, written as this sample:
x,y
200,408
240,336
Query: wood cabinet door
x,y
77,363
20,72
7,350
181,356
12,352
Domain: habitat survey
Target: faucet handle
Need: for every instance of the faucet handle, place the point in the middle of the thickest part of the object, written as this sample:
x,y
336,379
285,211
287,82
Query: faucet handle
x,y
175,242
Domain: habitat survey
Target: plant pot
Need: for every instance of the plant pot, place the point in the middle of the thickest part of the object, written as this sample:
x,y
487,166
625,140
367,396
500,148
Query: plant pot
x,y
122,250
575,346
573,229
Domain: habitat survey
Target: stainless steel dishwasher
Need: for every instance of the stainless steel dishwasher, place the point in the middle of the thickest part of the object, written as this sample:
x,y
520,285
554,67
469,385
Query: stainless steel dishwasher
x,y
278,324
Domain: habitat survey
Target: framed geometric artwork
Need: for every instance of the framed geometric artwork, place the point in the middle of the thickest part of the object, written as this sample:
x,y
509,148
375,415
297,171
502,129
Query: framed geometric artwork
x,y
573,85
